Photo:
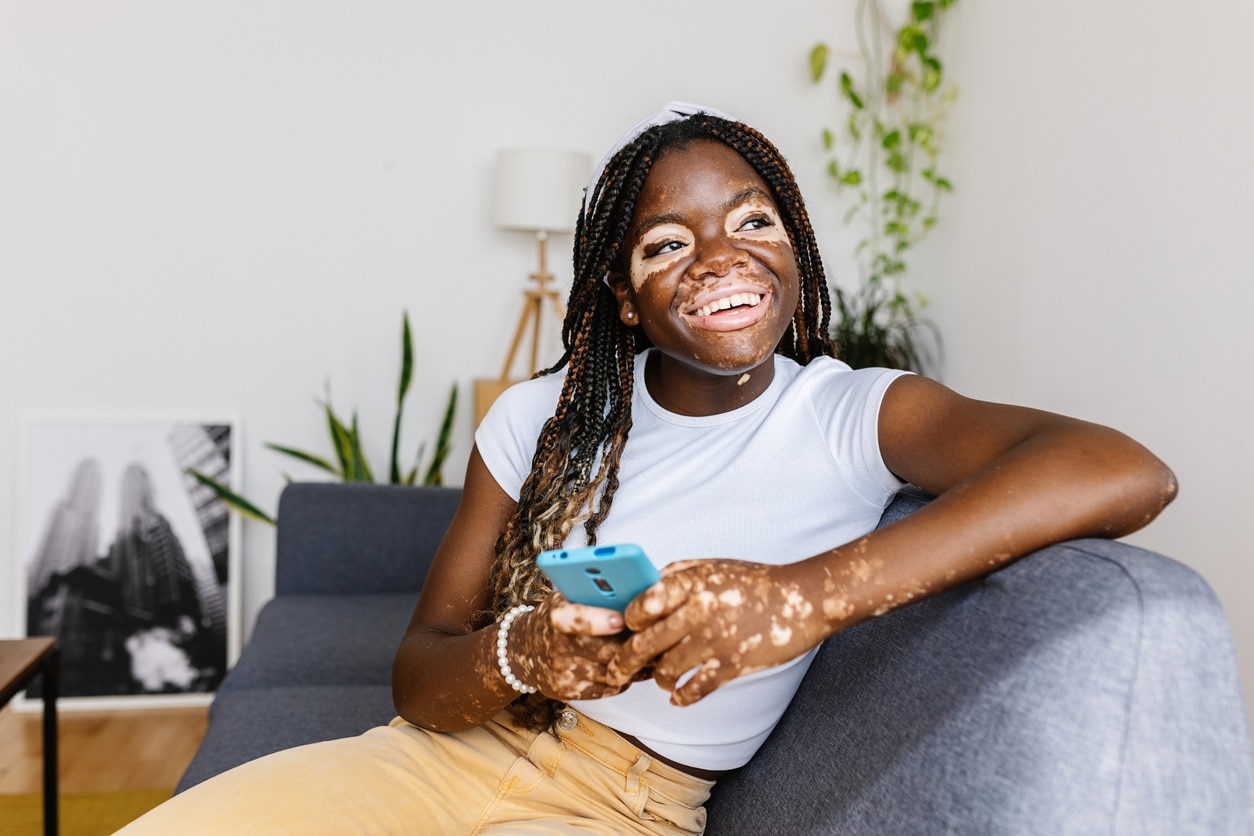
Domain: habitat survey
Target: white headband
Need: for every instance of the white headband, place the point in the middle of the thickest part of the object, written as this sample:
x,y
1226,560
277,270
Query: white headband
x,y
672,112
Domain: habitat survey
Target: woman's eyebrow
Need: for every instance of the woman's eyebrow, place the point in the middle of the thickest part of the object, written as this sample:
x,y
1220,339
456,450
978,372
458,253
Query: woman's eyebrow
x,y
738,199
661,219
745,195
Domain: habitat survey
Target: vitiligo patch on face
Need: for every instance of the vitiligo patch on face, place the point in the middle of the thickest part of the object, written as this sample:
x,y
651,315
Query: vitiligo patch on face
x,y
749,217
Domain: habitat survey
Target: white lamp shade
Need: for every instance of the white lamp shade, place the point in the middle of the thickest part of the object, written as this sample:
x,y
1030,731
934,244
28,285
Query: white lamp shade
x,y
539,190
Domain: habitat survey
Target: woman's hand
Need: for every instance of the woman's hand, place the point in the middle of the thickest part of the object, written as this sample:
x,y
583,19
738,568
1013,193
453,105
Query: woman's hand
x,y
564,649
731,617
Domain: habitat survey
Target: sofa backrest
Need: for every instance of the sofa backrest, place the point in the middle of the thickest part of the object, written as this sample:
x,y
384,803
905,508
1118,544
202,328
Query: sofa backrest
x,y
347,539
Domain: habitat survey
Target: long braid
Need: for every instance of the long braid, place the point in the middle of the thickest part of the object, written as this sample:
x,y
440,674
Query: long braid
x,y
567,485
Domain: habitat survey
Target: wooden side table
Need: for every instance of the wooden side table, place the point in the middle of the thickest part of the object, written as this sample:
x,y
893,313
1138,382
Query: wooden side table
x,y
21,660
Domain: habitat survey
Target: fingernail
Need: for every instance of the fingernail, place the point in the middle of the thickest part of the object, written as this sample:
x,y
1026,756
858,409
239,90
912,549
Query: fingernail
x,y
615,621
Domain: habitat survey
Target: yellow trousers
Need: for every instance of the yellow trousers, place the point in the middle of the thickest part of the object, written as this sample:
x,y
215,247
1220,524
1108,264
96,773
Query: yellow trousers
x,y
497,778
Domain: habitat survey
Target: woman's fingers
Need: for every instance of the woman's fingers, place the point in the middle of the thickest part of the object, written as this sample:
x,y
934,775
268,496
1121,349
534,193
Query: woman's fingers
x,y
564,649
580,619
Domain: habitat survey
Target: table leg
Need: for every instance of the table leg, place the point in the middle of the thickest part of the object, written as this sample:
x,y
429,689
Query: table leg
x,y
51,685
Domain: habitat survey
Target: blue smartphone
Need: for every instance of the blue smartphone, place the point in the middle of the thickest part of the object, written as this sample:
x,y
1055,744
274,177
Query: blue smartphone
x,y
600,576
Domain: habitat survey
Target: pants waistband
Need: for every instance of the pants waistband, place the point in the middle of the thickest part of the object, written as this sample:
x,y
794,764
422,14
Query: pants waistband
x,y
602,743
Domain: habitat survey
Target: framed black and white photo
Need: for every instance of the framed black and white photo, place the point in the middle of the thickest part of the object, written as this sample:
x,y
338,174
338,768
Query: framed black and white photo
x,y
129,561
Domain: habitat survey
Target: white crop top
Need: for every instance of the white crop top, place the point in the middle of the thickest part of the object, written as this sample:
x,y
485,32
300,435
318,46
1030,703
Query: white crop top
x,y
794,473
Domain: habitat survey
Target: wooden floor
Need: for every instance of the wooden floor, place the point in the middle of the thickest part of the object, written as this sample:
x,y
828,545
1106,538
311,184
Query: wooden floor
x,y
101,751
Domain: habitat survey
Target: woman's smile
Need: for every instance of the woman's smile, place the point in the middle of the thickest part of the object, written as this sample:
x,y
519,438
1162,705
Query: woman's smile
x,y
729,307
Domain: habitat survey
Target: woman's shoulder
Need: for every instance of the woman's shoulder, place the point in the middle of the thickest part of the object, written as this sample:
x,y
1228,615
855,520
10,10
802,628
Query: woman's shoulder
x,y
528,403
506,437
832,371
832,385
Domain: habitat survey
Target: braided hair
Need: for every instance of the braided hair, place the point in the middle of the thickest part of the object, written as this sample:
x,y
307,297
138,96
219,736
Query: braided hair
x,y
567,486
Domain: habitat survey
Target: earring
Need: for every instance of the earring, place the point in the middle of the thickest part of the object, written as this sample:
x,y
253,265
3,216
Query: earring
x,y
631,315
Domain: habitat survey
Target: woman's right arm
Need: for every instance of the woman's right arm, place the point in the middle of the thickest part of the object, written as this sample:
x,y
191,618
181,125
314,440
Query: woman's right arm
x,y
445,676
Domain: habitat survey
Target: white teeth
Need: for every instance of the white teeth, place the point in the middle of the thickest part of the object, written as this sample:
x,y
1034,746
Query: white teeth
x,y
733,301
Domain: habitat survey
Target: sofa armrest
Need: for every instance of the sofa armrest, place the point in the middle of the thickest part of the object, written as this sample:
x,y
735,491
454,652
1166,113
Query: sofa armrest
x,y
1089,688
350,539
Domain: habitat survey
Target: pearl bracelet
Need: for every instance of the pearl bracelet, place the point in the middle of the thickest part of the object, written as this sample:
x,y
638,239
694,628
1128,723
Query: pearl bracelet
x,y
502,642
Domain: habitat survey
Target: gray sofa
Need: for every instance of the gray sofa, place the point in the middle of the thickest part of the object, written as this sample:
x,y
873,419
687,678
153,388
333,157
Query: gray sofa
x,y
1089,688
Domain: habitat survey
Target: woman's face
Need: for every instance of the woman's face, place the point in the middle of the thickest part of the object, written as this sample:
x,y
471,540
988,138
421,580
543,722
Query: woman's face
x,y
712,276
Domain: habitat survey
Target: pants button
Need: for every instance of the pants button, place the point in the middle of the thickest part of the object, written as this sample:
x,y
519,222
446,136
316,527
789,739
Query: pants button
x,y
567,719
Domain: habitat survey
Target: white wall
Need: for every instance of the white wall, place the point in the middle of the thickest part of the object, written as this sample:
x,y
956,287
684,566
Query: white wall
x,y
1096,258
220,206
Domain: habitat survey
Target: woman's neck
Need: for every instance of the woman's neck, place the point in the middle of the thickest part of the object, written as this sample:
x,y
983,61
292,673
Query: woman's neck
x,y
679,388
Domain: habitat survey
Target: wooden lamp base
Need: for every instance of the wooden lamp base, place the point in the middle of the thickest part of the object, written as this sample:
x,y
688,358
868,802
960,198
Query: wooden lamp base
x,y
488,390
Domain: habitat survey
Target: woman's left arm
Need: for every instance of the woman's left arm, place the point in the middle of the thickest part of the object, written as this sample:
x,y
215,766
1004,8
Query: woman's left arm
x,y
1007,481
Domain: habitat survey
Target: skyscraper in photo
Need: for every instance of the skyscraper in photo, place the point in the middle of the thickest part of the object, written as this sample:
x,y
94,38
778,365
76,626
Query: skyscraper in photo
x,y
71,537
147,558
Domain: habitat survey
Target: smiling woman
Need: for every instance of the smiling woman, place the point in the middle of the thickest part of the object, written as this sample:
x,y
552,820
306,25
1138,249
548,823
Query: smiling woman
x,y
700,412
712,277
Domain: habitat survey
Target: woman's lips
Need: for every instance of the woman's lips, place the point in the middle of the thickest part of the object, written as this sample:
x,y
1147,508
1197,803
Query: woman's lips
x,y
744,308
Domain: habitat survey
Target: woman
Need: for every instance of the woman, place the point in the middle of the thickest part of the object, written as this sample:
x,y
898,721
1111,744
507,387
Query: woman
x,y
699,412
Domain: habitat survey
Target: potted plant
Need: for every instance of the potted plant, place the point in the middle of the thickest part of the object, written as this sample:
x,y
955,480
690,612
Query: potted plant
x,y
886,158
349,463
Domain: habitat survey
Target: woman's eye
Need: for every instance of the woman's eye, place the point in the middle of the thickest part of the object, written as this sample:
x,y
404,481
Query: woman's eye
x,y
662,248
758,222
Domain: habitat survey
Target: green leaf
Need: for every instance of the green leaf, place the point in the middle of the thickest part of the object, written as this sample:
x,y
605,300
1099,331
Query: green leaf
x,y
308,458
846,87
828,140
931,74
435,473
407,359
911,38
943,184
818,61
855,127
341,441
852,177
894,82
833,169
891,140
407,375
360,467
922,11
232,499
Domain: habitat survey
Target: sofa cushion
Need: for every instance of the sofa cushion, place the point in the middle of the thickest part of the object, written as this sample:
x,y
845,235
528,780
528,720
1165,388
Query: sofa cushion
x,y
324,640
252,722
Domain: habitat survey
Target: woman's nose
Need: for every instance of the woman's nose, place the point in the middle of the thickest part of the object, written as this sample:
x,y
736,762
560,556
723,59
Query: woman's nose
x,y
717,255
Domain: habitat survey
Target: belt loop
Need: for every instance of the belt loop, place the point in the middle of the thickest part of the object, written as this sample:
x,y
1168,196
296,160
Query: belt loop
x,y
637,769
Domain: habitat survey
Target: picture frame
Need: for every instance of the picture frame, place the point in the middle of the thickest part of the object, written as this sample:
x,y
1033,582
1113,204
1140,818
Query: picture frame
x,y
127,559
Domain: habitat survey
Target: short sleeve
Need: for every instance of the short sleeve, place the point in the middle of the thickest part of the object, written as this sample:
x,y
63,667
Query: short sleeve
x,y
847,406
506,438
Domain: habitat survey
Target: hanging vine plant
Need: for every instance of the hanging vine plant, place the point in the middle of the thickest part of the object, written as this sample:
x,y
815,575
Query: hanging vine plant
x,y
886,158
